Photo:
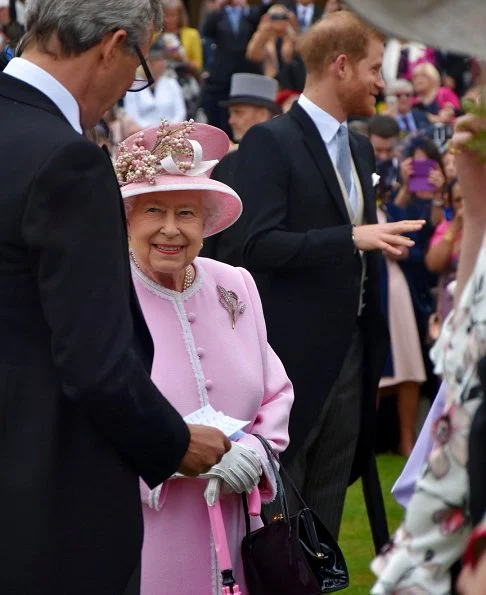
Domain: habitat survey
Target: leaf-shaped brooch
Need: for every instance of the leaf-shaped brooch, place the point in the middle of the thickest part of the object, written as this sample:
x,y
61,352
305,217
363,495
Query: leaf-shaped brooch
x,y
230,302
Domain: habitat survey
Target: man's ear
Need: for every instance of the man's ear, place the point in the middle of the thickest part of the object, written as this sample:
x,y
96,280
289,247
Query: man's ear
x,y
111,43
341,66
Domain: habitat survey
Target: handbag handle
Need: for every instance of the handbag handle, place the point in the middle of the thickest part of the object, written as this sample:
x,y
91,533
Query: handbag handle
x,y
273,456
282,496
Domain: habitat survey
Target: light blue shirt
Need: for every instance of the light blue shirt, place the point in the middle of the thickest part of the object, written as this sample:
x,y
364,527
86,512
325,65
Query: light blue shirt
x,y
403,120
45,83
327,126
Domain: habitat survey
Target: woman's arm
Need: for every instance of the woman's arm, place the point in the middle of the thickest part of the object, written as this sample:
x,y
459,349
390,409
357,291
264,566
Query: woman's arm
x,y
472,178
272,419
255,50
441,249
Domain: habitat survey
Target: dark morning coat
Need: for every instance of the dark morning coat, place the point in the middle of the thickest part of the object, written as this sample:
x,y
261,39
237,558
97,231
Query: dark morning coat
x,y
80,419
299,247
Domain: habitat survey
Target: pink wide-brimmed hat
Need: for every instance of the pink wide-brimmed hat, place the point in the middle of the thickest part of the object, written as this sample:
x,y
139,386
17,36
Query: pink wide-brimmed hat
x,y
179,157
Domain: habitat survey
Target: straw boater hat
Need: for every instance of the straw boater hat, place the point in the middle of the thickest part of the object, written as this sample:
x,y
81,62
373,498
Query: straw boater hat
x,y
179,157
253,89
453,25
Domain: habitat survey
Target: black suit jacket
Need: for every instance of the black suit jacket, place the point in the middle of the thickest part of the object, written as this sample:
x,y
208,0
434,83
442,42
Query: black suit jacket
x,y
80,419
299,248
226,246
230,54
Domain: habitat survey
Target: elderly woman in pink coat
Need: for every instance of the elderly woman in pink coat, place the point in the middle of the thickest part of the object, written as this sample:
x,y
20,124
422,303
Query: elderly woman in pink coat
x,y
211,347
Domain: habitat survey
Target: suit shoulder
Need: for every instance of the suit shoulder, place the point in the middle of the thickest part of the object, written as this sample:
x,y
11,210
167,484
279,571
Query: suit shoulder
x,y
279,127
48,137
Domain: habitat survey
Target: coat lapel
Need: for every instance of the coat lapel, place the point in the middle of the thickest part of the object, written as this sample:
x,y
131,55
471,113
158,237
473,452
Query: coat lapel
x,y
365,177
317,149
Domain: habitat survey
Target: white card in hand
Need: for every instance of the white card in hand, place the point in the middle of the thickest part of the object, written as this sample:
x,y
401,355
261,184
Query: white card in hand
x,y
208,416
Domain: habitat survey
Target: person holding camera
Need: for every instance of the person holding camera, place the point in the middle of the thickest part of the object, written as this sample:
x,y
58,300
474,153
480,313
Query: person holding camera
x,y
230,28
274,43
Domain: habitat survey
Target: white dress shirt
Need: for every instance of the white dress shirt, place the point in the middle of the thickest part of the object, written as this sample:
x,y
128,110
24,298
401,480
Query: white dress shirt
x,y
45,83
147,108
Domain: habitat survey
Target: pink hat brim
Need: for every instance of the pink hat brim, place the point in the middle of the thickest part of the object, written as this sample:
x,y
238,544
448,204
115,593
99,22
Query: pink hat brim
x,y
222,202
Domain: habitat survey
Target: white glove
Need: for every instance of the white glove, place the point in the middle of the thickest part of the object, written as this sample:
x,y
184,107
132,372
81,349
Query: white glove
x,y
239,471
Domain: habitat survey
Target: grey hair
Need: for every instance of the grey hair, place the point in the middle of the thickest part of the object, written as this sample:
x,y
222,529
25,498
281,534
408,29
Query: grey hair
x,y
400,85
81,24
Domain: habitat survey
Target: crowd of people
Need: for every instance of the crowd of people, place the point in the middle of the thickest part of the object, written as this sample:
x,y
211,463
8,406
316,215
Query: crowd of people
x,y
288,139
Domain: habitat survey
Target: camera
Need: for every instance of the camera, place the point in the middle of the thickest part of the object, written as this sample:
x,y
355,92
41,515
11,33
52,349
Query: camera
x,y
279,16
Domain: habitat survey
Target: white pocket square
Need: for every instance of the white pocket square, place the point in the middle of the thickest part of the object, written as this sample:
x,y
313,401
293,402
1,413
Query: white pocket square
x,y
375,178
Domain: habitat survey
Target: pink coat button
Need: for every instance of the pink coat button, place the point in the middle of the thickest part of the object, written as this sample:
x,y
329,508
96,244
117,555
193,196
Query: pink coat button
x,y
209,384
200,352
191,317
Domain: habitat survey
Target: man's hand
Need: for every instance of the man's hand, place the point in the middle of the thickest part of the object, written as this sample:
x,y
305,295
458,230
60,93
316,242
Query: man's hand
x,y
206,448
386,236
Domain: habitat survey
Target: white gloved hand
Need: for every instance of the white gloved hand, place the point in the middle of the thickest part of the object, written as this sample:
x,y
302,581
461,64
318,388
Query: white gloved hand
x,y
238,471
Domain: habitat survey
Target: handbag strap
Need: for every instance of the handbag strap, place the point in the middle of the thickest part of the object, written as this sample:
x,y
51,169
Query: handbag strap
x,y
272,457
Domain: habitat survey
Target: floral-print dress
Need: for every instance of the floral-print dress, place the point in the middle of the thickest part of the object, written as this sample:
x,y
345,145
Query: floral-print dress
x,y
436,526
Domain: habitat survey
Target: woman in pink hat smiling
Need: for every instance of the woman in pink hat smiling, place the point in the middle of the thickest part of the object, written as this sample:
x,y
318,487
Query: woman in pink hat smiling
x,y
210,342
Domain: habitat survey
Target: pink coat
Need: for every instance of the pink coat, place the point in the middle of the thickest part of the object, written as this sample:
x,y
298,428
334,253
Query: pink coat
x,y
200,359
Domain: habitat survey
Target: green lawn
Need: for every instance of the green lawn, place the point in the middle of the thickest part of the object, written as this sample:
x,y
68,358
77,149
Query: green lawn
x,y
355,537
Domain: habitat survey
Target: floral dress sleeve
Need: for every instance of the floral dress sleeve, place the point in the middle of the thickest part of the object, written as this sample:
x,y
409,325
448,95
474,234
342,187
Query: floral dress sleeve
x,y
436,527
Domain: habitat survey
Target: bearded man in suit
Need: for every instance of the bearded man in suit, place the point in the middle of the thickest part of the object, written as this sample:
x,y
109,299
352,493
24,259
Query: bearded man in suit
x,y
313,245
80,418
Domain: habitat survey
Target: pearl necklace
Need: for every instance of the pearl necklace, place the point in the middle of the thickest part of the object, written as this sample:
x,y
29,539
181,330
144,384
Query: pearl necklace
x,y
189,273
188,278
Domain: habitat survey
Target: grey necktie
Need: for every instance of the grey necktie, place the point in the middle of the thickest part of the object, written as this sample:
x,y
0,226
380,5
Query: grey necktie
x,y
343,162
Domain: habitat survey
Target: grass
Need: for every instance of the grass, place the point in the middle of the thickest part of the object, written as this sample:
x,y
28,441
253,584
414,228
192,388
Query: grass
x,y
355,536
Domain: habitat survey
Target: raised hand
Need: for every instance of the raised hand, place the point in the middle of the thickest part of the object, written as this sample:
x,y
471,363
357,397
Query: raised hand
x,y
386,236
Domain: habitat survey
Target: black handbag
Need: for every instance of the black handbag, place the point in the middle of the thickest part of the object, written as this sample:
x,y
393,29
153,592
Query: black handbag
x,y
294,554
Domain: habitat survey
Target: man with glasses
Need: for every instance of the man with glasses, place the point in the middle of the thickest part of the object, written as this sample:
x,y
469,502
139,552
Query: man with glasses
x,y
80,419
408,119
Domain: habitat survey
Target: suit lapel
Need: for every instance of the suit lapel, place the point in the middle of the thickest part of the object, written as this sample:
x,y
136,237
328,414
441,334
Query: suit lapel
x,y
317,149
365,178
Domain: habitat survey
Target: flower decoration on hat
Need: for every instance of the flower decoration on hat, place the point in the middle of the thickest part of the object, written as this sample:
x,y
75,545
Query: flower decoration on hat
x,y
173,153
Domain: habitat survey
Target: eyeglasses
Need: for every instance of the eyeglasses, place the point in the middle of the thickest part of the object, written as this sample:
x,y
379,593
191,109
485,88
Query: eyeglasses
x,y
140,84
403,95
